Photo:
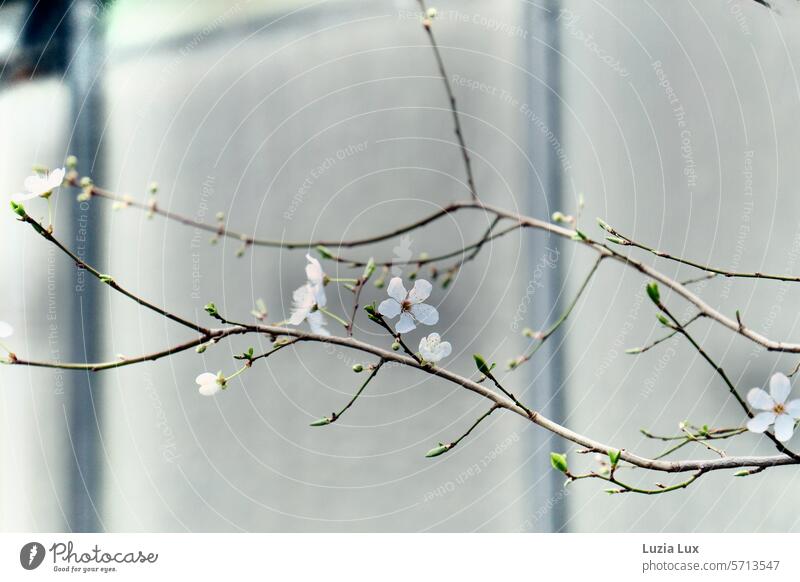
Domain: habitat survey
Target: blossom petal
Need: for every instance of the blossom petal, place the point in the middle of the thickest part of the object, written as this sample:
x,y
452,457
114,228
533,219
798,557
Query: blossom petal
x,y
779,387
318,292
206,378
5,329
396,290
314,271
420,292
210,388
35,184
389,308
425,314
784,427
445,349
761,421
406,323
56,178
317,322
760,399
793,408
23,197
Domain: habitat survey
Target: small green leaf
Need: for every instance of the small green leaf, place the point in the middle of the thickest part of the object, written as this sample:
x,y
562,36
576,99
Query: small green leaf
x,y
604,225
107,279
18,209
559,462
440,450
483,367
211,309
613,456
617,240
321,422
742,473
579,236
653,292
664,321
324,252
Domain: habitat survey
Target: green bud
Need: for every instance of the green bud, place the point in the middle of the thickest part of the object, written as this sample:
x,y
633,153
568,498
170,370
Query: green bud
x,y
71,162
742,473
579,236
395,346
528,332
513,363
358,368
107,279
559,217
440,450
86,182
211,309
664,321
482,366
653,292
613,456
559,462
604,225
18,209
153,188
368,269
324,252
201,348
613,491
616,240
321,421
379,283
370,309
633,351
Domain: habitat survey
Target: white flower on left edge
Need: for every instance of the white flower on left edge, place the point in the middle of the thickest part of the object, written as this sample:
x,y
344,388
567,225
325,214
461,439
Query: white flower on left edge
x,y
776,410
408,305
210,383
41,184
433,349
5,330
307,300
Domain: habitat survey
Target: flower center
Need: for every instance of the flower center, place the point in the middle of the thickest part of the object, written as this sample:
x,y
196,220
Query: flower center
x,y
433,343
405,305
779,409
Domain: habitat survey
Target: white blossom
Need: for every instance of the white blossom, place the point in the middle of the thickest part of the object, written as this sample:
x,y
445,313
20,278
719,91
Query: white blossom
x,y
775,408
5,330
308,298
210,383
433,349
41,184
408,305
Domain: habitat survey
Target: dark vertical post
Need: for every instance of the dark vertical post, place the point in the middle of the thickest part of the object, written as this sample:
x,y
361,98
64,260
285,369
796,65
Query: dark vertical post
x,y
543,97
84,78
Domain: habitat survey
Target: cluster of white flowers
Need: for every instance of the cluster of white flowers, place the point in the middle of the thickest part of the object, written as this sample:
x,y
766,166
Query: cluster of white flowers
x,y
41,184
410,306
309,300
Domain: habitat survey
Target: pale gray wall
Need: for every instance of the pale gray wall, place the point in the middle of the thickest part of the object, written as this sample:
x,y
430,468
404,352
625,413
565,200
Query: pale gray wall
x,y
249,109
736,80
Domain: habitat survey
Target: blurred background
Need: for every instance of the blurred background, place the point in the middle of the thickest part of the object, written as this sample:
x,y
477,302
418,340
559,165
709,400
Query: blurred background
x,y
676,121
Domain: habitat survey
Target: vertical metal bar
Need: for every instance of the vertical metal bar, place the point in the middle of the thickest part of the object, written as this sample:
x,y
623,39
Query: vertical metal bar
x,y
85,83
544,62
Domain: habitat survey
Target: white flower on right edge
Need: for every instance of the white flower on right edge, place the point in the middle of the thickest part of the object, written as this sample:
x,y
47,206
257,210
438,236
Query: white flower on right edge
x,y
307,300
433,349
408,305
5,330
41,184
776,410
